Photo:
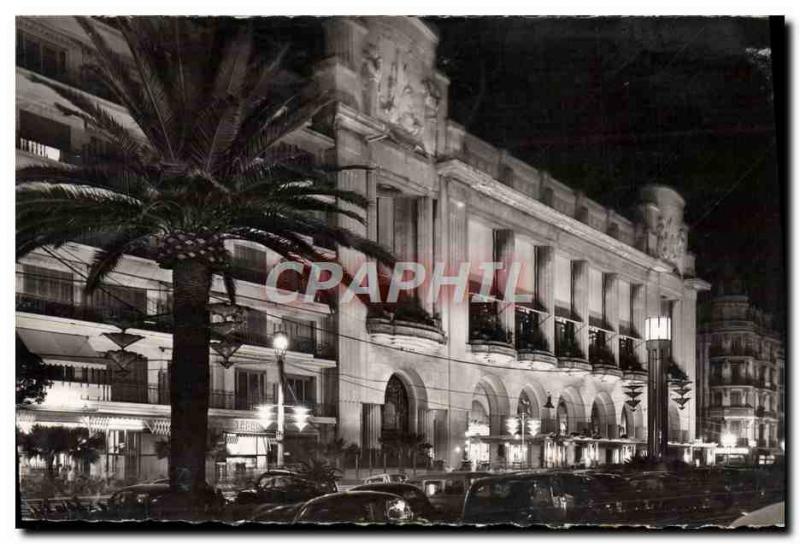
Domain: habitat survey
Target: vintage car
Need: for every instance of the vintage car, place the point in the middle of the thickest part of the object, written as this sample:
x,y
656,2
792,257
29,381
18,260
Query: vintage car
x,y
446,491
416,499
356,507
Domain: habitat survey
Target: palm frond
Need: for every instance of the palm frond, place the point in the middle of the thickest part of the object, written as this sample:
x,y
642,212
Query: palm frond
x,y
112,176
108,256
249,147
158,99
98,118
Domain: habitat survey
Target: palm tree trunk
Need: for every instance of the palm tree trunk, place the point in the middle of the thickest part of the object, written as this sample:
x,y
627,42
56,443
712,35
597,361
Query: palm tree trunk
x,y
189,376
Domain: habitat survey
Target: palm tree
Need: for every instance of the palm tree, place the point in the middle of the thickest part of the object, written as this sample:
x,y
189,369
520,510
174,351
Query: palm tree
x,y
50,442
206,168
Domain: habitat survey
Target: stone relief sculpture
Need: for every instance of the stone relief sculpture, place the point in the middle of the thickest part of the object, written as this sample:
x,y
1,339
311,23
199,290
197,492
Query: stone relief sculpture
x,y
398,102
371,67
433,97
672,240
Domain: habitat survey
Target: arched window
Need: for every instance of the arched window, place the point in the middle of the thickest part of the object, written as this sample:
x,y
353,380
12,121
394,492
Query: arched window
x,y
562,418
595,420
395,408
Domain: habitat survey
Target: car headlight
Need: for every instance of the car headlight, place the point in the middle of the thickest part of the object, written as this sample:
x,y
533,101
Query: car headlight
x,y
398,510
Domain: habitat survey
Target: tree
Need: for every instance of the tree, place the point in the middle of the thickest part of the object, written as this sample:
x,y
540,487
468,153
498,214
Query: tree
x,y
32,381
50,442
205,166
321,471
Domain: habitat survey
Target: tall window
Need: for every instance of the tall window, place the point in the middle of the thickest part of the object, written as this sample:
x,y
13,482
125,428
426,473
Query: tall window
x,y
736,398
45,284
250,389
39,56
596,316
303,388
625,309
119,301
255,327
250,257
250,264
563,286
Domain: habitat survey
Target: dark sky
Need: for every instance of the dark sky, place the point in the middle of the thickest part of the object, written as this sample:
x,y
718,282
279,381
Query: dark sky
x,y
608,104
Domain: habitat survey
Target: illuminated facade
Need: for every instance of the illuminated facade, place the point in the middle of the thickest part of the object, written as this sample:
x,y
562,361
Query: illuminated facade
x,y
454,373
740,368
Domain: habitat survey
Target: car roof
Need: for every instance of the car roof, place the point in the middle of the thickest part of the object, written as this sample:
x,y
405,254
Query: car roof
x,y
352,494
144,487
377,486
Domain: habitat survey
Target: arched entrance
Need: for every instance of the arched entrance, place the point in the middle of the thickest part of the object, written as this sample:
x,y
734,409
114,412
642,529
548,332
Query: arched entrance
x,y
396,412
562,418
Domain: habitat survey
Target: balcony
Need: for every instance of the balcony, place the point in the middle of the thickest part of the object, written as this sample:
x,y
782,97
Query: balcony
x,y
297,344
732,351
488,339
159,395
404,324
570,356
602,361
249,273
741,410
94,313
632,368
741,381
532,347
768,414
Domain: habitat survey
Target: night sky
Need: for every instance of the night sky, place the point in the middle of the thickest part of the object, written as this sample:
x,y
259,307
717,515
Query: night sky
x,y
609,104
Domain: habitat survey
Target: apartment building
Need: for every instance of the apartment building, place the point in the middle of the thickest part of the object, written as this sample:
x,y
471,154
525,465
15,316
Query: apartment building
x,y
741,377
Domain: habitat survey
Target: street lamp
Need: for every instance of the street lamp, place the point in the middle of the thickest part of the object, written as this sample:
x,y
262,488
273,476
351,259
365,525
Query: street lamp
x,y
658,335
280,343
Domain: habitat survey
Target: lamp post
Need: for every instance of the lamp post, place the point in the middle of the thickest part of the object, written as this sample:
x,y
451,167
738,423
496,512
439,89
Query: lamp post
x,y
658,335
280,343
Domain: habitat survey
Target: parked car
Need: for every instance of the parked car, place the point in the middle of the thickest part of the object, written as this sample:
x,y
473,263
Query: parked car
x,y
274,489
356,507
517,498
283,513
154,501
547,498
386,478
416,499
446,491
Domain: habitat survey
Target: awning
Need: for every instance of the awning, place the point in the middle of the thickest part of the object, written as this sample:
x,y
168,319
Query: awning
x,y
61,348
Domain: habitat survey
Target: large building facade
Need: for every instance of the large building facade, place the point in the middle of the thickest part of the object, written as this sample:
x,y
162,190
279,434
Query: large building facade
x,y
740,370
453,371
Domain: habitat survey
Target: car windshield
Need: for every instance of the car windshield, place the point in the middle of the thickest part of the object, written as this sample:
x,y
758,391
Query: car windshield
x,y
509,494
354,510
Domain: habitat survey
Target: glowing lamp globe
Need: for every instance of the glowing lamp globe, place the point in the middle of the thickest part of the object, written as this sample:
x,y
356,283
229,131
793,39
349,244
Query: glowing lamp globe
x,y
658,328
280,343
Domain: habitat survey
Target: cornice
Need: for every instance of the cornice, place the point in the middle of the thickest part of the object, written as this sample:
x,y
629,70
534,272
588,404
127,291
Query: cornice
x,y
487,185
348,118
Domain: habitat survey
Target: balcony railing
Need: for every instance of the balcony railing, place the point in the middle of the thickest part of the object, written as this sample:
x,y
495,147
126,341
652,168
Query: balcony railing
x,y
734,380
217,398
732,351
299,344
94,313
528,336
485,325
249,273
